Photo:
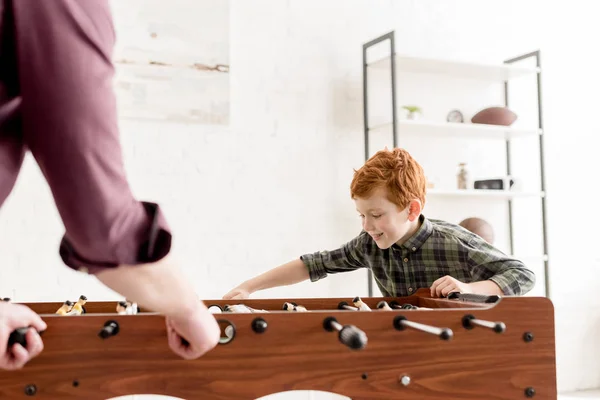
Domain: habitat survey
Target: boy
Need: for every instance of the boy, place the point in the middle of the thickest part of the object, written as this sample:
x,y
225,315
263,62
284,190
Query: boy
x,y
404,249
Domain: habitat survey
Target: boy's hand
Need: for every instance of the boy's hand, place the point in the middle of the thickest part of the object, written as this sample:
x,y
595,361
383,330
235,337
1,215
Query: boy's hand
x,y
237,293
447,284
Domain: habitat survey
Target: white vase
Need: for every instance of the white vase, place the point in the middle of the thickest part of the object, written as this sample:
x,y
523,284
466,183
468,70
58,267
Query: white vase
x,y
415,115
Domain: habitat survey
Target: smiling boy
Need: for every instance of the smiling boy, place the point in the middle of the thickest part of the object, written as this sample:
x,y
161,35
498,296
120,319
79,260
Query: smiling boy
x,y
404,250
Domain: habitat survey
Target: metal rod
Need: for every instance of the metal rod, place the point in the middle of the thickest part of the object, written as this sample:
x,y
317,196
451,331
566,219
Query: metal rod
x,y
401,323
522,57
543,174
508,173
378,40
393,71
537,55
366,46
422,327
485,324
336,325
366,129
469,321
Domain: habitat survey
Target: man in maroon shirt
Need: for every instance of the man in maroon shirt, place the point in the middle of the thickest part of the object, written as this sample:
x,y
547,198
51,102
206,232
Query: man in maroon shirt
x,y
57,101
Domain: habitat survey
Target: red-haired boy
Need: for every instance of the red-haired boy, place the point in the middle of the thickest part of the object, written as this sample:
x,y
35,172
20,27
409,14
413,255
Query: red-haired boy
x,y
404,250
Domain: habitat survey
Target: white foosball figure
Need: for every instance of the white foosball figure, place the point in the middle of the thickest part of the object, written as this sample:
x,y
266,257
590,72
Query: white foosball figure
x,y
132,309
215,310
240,308
127,308
229,332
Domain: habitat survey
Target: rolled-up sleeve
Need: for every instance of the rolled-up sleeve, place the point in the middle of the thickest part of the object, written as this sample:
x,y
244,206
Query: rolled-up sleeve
x,y
69,123
510,274
349,257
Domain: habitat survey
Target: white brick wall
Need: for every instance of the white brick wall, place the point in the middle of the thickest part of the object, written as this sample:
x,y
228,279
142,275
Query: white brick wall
x,y
275,185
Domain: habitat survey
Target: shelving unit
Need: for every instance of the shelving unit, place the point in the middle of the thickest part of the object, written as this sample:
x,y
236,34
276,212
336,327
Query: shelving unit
x,y
502,73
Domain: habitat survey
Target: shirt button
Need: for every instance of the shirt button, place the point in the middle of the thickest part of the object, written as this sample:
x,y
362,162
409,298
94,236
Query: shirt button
x,y
414,248
406,260
410,289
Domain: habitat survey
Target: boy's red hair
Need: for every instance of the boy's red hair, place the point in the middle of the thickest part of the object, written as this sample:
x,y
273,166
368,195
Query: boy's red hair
x,y
394,170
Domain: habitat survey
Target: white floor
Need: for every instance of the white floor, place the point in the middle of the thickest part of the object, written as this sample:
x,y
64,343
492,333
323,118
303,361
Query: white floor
x,y
309,395
585,394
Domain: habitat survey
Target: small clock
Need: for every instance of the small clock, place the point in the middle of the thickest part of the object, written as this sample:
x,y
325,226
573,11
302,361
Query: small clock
x,y
455,116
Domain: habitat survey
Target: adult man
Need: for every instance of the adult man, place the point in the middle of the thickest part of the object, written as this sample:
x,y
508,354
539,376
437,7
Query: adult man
x,y
57,101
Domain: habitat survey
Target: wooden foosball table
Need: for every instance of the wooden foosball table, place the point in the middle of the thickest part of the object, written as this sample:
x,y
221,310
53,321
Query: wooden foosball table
x,y
416,347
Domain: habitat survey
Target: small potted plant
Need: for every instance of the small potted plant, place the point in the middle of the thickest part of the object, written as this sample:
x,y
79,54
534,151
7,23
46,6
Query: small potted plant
x,y
413,112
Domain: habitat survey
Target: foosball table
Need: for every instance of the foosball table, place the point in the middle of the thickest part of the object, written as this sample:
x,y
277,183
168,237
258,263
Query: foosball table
x,y
416,347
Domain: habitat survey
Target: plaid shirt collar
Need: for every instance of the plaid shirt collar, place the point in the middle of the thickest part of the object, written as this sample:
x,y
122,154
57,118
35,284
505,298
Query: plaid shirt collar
x,y
418,239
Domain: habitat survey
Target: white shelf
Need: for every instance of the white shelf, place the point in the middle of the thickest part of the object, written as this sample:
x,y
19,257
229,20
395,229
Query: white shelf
x,y
478,71
454,129
484,193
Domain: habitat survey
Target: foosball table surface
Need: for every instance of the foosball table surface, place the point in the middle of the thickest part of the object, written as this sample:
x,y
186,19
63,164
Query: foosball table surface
x,y
415,347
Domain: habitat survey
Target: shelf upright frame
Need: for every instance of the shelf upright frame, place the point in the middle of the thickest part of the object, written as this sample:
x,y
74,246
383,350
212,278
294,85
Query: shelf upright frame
x,y
537,56
388,36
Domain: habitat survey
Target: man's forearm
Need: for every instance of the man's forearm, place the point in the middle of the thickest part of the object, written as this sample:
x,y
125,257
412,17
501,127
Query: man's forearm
x,y
485,287
160,287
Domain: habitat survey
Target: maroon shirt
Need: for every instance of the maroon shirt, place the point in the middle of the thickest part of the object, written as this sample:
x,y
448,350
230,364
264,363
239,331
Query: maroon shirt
x,y
57,101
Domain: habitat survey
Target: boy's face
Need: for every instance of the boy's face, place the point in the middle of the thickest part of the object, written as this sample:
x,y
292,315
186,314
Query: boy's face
x,y
384,221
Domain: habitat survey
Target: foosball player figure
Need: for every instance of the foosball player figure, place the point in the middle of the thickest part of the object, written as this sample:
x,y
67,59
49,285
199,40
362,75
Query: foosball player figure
x,y
78,307
287,306
65,308
242,308
215,309
127,308
360,304
121,307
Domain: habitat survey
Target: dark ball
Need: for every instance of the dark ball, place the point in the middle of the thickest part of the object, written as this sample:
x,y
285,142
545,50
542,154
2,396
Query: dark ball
x,y
480,227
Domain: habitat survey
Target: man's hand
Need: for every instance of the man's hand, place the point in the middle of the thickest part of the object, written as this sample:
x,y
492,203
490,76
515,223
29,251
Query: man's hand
x,y
237,293
447,284
14,316
191,336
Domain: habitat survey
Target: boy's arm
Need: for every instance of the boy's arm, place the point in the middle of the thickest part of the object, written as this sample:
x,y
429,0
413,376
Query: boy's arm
x,y
493,270
286,274
312,266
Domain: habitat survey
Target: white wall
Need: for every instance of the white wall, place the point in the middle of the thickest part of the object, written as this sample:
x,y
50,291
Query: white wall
x,y
275,185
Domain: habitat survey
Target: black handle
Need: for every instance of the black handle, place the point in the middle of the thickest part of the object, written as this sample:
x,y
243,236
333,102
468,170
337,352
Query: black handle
x,y
18,336
353,337
474,298
110,328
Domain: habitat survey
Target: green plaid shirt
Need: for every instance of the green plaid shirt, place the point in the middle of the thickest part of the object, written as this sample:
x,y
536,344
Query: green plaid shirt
x,y
437,249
